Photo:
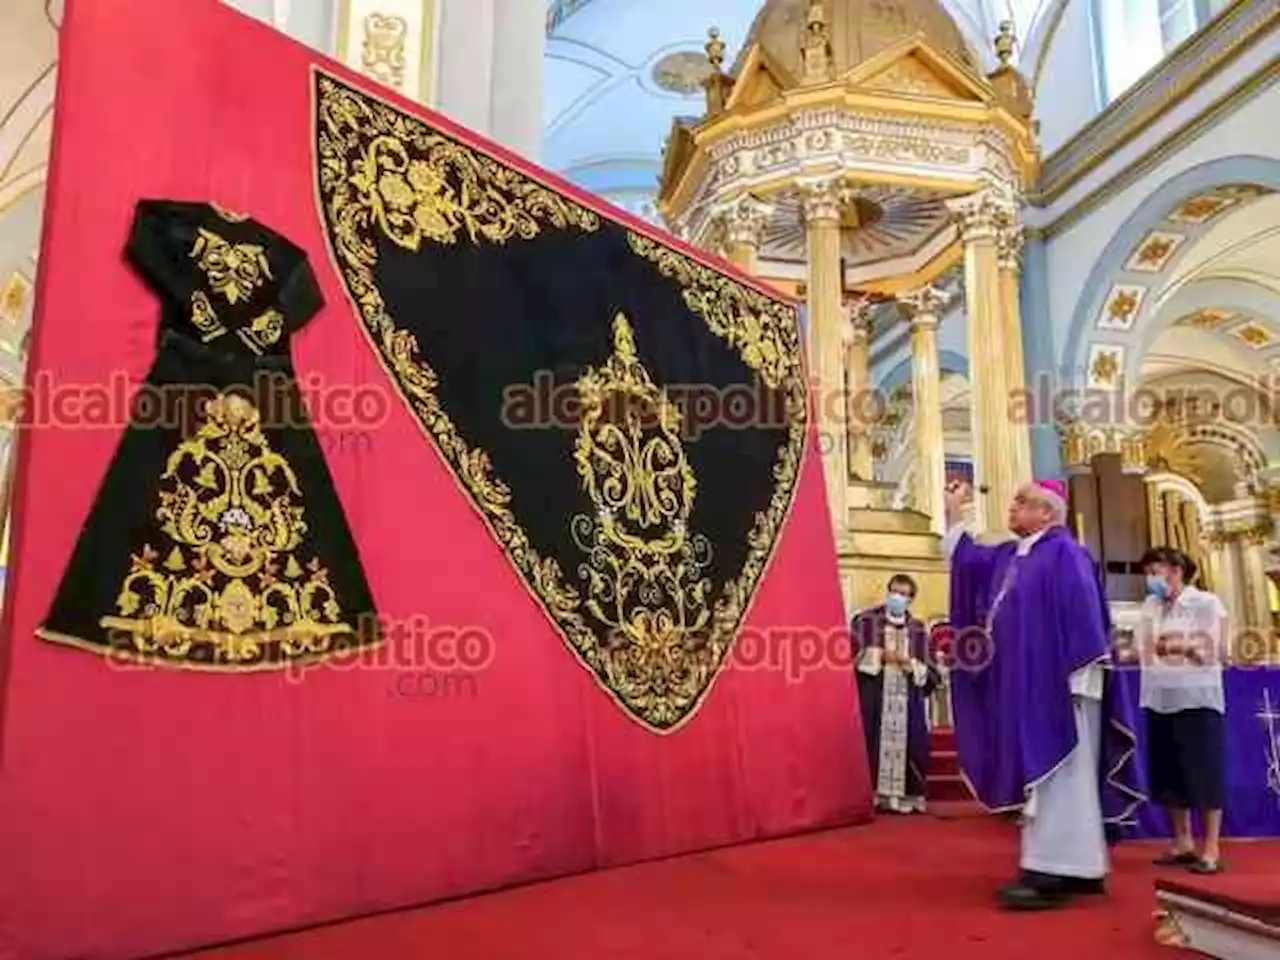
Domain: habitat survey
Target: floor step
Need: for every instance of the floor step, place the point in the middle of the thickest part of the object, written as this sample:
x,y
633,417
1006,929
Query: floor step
x,y
944,763
942,740
947,788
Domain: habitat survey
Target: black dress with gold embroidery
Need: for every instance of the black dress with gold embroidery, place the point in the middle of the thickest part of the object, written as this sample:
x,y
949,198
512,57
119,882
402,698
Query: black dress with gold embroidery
x,y
217,540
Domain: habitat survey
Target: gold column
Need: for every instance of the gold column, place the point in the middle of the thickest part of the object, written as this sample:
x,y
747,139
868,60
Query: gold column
x,y
857,382
1225,559
926,386
1257,599
995,464
1009,241
821,203
744,222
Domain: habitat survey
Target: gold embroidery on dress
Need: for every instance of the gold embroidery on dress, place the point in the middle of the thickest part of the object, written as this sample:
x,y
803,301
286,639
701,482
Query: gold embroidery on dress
x,y
644,566
461,190
267,327
204,318
225,574
231,216
234,270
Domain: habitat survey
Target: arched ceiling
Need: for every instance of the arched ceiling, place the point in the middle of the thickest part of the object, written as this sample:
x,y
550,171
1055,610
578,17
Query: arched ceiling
x,y
618,71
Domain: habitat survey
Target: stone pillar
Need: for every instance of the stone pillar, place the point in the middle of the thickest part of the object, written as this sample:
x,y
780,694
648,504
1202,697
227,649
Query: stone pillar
x,y
744,222
489,68
995,464
519,45
825,347
926,388
857,382
1009,240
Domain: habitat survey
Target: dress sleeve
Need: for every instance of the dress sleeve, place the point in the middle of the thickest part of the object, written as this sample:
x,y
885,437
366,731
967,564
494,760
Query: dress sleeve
x,y
300,298
152,248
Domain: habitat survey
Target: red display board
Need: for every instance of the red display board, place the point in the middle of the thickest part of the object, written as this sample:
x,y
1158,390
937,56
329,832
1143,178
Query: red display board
x,y
146,810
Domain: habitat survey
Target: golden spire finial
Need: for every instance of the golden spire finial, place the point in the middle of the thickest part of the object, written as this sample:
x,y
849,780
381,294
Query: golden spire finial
x,y
717,84
715,49
1004,42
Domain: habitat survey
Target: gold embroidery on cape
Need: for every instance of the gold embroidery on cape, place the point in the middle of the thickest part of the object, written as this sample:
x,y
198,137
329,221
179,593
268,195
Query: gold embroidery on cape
x,y
761,329
643,571
231,216
234,270
225,573
418,185
458,190
204,318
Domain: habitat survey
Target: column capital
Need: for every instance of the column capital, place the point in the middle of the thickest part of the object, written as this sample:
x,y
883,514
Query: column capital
x,y
859,320
924,304
981,214
744,219
821,201
1010,239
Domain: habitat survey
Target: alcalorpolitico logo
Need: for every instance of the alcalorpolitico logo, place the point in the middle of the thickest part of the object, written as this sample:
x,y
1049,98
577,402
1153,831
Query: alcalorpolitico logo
x,y
121,400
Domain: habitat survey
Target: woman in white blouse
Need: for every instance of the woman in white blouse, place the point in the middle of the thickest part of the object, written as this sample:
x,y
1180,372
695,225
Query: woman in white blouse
x,y
1181,641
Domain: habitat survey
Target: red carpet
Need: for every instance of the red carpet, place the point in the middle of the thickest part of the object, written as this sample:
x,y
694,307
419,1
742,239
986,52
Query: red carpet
x,y
909,887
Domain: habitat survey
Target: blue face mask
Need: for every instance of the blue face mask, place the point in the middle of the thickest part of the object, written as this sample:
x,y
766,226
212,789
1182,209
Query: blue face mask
x,y
896,604
1157,586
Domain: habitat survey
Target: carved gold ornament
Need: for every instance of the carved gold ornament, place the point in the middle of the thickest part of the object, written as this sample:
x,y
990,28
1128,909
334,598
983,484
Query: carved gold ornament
x,y
234,270
637,613
225,573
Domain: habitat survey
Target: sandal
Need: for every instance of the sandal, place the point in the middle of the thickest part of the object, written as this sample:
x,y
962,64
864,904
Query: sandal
x,y
1206,868
1171,859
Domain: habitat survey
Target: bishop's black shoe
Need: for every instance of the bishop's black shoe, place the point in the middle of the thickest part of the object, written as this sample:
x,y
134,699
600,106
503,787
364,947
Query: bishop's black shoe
x,y
1045,891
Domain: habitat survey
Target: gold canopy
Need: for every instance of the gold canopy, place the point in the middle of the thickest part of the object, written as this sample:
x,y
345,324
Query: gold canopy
x,y
859,29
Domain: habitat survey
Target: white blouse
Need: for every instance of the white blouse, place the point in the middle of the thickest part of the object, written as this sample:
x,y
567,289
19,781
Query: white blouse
x,y
1173,682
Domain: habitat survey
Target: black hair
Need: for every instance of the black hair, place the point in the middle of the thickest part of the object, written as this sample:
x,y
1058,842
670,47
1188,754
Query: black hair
x,y
1171,557
901,579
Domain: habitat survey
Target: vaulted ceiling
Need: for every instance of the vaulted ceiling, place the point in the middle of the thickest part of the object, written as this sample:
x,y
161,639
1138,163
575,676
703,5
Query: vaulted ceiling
x,y
618,71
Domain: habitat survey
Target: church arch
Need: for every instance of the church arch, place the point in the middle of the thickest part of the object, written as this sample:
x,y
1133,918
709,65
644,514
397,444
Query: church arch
x,y
1112,288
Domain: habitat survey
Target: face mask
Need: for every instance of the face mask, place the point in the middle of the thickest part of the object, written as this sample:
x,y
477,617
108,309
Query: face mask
x,y
896,604
1157,586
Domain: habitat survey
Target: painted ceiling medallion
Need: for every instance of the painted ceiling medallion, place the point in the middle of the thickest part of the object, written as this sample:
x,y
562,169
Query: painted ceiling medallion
x,y
1105,363
682,72
1121,309
1155,252
1201,209
1253,335
1210,318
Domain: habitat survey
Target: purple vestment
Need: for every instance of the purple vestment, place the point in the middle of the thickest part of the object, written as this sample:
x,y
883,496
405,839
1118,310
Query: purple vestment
x,y
1011,689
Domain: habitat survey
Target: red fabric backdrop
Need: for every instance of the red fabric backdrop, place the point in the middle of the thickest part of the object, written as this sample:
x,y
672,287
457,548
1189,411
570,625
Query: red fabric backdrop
x,y
149,810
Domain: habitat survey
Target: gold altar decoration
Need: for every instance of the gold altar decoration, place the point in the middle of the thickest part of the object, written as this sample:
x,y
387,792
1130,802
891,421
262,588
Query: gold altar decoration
x,y
853,153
